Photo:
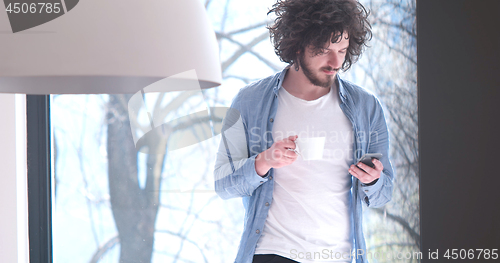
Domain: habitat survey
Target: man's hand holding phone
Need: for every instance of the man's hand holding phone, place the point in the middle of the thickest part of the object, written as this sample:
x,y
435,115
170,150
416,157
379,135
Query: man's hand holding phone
x,y
367,172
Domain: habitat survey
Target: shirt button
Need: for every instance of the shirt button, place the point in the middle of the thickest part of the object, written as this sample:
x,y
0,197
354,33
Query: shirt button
x,y
267,204
258,231
270,177
271,120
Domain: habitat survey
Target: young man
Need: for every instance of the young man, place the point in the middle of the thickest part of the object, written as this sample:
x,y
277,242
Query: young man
x,y
298,210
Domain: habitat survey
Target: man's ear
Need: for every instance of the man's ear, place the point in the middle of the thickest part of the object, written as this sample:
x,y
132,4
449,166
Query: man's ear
x,y
296,63
300,51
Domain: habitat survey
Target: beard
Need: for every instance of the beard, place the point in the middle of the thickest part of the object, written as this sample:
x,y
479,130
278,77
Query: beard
x,y
308,72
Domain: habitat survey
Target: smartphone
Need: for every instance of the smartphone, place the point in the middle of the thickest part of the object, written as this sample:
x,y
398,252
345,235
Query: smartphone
x,y
367,158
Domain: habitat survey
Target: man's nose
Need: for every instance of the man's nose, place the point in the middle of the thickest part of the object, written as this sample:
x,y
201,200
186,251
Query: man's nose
x,y
335,60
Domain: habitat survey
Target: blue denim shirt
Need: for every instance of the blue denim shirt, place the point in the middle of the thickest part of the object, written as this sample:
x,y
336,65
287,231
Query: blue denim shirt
x,y
247,131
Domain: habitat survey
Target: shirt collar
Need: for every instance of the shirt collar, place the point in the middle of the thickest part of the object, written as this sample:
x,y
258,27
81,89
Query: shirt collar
x,y
281,77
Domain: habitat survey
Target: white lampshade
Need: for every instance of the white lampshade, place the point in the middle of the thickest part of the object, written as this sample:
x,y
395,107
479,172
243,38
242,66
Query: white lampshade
x,y
109,46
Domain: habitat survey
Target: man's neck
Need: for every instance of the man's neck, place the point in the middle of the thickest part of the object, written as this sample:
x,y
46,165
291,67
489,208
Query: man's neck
x,y
297,84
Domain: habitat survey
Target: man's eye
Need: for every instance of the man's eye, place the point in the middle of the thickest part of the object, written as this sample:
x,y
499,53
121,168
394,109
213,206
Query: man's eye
x,y
322,52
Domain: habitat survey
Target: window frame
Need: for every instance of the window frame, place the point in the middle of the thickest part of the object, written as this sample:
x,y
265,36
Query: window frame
x,y
39,178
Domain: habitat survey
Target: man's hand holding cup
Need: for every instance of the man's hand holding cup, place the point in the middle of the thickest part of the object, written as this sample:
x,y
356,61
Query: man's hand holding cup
x,y
280,154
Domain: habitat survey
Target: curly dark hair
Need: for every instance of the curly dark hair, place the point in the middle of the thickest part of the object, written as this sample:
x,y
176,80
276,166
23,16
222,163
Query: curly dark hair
x,y
302,23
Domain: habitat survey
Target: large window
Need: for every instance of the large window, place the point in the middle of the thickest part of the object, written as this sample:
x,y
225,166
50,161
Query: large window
x,y
111,203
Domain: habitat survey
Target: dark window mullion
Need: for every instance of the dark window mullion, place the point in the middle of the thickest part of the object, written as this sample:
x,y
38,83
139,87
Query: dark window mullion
x,y
39,178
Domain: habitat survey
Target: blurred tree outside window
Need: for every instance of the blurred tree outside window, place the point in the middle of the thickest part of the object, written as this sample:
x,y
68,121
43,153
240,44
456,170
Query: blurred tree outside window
x,y
114,204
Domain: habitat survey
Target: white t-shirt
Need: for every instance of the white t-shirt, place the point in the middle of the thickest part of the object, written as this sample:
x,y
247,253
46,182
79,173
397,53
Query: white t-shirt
x,y
311,207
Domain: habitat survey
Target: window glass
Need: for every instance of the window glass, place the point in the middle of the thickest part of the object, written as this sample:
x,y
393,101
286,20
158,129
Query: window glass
x,y
163,206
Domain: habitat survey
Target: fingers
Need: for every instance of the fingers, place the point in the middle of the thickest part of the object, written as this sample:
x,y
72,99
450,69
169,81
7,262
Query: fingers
x,y
368,174
284,154
372,170
286,143
361,175
356,172
288,154
378,165
366,168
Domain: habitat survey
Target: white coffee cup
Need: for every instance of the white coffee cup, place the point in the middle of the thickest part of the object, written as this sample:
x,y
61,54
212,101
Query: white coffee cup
x,y
310,148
